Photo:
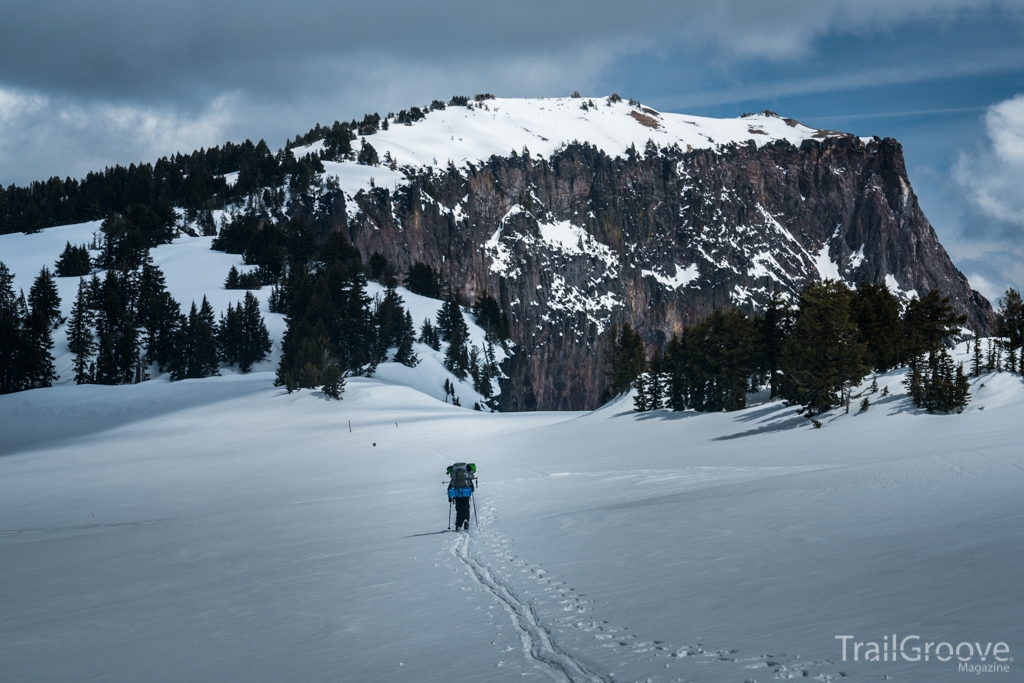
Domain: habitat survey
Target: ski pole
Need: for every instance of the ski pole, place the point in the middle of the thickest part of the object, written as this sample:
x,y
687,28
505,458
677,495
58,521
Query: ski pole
x,y
449,514
476,520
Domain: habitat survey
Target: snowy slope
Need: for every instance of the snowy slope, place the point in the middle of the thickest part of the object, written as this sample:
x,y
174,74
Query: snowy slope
x,y
193,270
462,135
223,530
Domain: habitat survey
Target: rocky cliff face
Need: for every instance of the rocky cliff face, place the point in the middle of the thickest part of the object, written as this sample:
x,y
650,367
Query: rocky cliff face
x,y
577,241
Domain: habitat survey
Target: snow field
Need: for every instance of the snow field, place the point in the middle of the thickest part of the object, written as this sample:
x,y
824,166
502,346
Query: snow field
x,y
221,529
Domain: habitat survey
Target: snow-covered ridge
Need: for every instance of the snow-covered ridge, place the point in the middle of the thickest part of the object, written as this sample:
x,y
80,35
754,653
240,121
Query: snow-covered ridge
x,y
462,135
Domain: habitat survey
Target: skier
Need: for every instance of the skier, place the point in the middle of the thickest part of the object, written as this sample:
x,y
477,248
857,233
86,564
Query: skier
x,y
460,490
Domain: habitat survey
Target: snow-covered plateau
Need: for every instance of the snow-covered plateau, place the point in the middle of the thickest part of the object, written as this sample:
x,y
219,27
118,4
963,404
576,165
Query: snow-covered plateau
x,y
461,135
224,530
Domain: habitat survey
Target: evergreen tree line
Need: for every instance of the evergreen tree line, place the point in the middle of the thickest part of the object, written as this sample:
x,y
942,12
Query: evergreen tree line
x,y
812,354
269,244
126,321
250,280
1004,352
26,332
122,320
193,182
334,329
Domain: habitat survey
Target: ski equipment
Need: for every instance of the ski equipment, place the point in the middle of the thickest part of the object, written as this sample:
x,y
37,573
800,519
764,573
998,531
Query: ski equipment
x,y
461,485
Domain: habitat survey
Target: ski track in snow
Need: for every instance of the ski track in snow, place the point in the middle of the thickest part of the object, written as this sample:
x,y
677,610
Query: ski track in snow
x,y
540,648
536,639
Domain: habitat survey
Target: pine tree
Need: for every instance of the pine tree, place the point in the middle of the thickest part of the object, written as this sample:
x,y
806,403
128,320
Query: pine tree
x,y
877,314
406,354
452,328
450,319
962,393
823,354
641,397
307,359
229,336
125,245
429,335
712,364
656,387
255,343
323,293
207,226
1011,326
118,350
44,299
456,356
936,384
389,324
205,340
977,360
81,341
11,320
625,358
488,372
367,155
43,316
333,380
474,367
277,302
491,318
378,264
73,262
425,281
774,328
197,344
928,322
232,279
159,316
914,382
356,334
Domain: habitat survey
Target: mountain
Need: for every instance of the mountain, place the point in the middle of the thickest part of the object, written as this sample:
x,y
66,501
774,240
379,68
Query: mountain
x,y
577,214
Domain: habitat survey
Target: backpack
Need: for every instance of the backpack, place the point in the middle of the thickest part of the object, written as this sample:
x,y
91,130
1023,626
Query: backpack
x,y
461,485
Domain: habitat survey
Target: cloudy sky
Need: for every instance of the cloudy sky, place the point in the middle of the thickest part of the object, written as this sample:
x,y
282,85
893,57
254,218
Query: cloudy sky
x,y
83,85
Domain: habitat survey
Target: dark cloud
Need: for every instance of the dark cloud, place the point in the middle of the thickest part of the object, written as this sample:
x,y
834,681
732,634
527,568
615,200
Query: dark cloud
x,y
141,51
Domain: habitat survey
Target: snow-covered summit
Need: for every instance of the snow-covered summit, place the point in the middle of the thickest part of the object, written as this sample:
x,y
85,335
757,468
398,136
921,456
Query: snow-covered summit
x,y
499,126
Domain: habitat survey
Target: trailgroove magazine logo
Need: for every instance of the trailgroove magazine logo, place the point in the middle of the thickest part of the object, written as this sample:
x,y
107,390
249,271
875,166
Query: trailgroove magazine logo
x,y
976,658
